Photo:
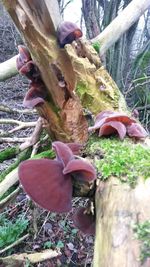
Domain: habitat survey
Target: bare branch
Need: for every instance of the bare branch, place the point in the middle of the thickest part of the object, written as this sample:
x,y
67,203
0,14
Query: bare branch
x,y
13,139
4,203
126,19
7,109
21,124
8,69
17,259
17,242
35,135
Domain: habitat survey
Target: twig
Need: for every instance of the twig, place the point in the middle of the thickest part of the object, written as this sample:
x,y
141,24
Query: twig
x,y
32,258
35,135
35,149
13,139
10,179
21,124
9,198
7,109
14,244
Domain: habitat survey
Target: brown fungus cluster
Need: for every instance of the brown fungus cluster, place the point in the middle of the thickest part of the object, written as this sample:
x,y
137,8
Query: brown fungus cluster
x,y
37,92
110,122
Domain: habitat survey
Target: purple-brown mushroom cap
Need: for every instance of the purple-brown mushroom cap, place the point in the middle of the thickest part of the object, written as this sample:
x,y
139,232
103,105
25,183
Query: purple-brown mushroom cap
x,y
82,170
75,147
84,222
63,153
112,127
23,57
107,116
44,182
35,95
136,130
30,70
68,32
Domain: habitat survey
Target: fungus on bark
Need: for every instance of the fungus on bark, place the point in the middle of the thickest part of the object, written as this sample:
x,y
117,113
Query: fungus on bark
x,y
23,56
37,91
49,182
84,221
68,32
110,122
113,127
136,130
35,95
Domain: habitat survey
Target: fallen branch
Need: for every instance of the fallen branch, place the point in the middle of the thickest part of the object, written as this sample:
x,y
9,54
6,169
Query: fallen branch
x,y
16,259
21,124
8,69
126,19
4,203
35,135
14,244
9,153
7,109
10,180
13,139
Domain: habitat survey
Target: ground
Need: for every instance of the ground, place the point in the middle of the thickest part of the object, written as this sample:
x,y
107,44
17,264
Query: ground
x,y
49,230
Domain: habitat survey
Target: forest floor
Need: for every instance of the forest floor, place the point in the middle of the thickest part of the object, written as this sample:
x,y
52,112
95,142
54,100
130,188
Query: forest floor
x,y
46,230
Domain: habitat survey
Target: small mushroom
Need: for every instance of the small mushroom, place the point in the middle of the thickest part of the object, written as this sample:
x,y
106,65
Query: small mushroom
x,y
136,130
110,122
30,70
63,152
35,95
23,57
80,169
75,147
44,182
68,32
49,182
107,116
112,127
84,221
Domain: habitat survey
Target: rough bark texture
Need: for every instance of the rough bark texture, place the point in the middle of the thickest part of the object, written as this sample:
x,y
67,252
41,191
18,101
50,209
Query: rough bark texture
x,y
119,208
80,68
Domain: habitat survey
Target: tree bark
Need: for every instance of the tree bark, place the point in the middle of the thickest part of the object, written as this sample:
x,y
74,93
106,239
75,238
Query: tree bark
x,y
82,72
119,208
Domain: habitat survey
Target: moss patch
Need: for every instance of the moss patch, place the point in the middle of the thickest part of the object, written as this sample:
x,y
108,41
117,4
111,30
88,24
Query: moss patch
x,y
122,159
96,46
142,231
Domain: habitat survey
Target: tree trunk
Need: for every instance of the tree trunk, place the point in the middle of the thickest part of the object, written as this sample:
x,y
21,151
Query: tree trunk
x,y
83,75
119,208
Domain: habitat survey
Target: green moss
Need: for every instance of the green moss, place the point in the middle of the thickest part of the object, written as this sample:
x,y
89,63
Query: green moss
x,y
45,154
96,46
81,89
122,159
10,231
142,231
8,153
22,156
